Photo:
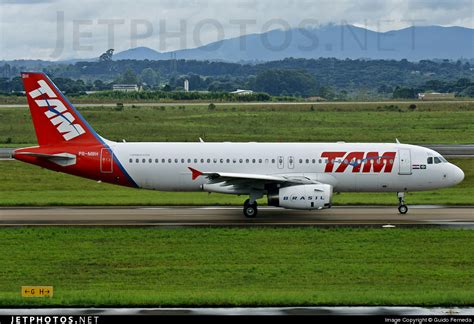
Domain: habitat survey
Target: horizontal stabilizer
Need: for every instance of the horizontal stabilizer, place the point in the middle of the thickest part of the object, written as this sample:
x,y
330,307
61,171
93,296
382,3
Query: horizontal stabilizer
x,y
63,159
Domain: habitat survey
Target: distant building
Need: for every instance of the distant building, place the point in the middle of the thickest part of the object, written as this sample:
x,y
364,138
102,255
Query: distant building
x,y
435,96
242,92
125,87
186,85
316,98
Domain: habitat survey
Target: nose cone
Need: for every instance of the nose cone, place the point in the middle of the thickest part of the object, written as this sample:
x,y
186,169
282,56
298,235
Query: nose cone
x,y
457,175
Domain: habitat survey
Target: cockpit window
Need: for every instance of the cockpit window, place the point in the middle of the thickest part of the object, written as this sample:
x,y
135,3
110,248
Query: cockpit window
x,y
437,160
430,160
443,159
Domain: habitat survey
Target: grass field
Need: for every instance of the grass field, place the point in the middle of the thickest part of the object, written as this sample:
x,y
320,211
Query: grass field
x,y
305,266
430,122
22,184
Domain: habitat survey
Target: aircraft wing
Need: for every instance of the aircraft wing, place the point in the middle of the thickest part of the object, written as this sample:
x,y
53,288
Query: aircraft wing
x,y
240,178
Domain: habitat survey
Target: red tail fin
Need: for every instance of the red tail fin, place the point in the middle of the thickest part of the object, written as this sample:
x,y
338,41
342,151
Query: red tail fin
x,y
55,119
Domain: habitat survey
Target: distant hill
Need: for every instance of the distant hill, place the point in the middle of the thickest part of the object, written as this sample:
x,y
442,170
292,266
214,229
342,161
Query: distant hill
x,y
139,53
336,41
339,41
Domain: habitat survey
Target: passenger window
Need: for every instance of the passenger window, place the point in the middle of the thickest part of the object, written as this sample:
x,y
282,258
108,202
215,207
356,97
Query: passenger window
x,y
437,160
313,161
150,160
208,160
273,161
169,160
195,160
202,160
175,160
131,160
301,160
182,160
253,160
143,160
228,160
259,160
240,160
189,160
137,160
163,160
247,160
221,160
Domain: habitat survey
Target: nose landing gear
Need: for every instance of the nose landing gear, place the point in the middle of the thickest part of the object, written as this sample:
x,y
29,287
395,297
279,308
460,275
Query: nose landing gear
x,y
402,208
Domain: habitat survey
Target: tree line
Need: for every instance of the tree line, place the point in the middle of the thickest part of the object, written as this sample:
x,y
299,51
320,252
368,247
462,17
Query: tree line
x,y
326,77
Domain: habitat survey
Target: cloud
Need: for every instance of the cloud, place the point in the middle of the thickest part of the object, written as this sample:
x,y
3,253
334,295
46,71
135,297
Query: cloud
x,y
29,28
25,2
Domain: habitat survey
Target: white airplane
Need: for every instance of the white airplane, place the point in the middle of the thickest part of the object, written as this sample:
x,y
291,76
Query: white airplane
x,y
291,175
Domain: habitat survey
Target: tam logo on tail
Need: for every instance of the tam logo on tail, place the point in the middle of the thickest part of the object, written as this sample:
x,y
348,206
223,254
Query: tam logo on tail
x,y
56,112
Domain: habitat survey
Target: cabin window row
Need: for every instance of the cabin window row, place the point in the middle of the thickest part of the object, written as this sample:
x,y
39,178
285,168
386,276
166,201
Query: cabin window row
x,y
254,161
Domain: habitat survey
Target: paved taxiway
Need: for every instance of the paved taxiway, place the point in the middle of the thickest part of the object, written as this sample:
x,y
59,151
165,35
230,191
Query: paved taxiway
x,y
232,216
260,103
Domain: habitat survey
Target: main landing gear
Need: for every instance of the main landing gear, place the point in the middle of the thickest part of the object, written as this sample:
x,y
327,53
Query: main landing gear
x,y
250,205
402,208
250,210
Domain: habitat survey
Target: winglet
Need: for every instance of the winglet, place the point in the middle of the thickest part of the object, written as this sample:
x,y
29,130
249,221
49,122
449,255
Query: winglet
x,y
196,173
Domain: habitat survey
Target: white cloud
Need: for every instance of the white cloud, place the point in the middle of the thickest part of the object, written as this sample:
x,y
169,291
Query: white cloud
x,y
28,28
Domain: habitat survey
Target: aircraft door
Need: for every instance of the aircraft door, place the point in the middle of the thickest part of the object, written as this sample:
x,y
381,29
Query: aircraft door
x,y
106,161
404,160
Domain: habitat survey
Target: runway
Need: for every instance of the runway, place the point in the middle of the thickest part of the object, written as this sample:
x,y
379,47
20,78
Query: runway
x,y
233,217
258,103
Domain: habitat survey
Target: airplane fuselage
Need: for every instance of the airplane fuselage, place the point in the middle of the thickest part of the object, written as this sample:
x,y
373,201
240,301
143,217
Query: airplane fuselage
x,y
348,167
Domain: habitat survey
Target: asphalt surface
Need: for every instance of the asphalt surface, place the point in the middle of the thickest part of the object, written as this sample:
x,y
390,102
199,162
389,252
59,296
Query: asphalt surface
x,y
232,216
240,311
167,104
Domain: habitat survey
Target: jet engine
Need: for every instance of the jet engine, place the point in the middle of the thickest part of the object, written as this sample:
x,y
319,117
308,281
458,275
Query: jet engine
x,y
314,196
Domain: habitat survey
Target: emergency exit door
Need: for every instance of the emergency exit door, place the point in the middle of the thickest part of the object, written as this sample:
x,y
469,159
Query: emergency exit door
x,y
280,162
291,162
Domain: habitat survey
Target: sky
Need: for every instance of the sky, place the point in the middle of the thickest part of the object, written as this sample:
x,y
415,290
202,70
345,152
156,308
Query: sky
x,y
64,29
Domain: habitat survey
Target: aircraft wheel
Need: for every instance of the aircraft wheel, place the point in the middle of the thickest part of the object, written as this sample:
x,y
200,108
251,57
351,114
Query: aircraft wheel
x,y
250,210
402,209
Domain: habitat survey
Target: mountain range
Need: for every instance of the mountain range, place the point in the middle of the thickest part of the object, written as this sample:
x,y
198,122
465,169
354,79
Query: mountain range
x,y
338,41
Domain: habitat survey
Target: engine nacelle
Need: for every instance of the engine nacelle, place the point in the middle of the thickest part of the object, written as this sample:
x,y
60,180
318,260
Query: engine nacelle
x,y
315,196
